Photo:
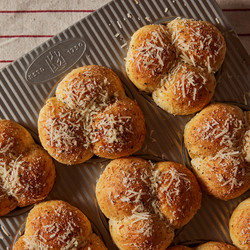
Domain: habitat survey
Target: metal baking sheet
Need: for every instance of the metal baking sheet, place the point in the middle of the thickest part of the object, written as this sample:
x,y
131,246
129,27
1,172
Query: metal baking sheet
x,y
26,84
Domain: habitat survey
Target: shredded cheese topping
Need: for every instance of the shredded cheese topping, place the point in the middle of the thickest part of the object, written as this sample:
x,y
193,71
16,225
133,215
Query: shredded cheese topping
x,y
114,130
153,53
246,144
171,186
230,176
226,129
188,83
64,231
81,93
64,129
168,182
10,178
11,174
227,166
8,145
197,41
245,233
70,126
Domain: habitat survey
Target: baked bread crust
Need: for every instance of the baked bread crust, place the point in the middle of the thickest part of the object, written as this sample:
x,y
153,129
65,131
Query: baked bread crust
x,y
124,113
61,131
216,127
212,245
72,126
198,42
126,233
27,172
246,138
185,90
214,140
224,176
143,201
150,56
179,247
176,62
135,174
239,225
176,185
57,225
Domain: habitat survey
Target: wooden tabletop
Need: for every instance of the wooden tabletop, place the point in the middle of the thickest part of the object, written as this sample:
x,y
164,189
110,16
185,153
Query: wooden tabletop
x,y
26,23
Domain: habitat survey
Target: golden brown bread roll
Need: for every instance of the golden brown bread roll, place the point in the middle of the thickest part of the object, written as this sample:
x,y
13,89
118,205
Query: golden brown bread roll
x,y
143,201
239,225
119,130
246,143
57,225
198,42
212,245
14,139
27,172
213,139
150,56
225,175
185,90
61,131
215,128
148,233
176,63
246,139
71,125
118,201
7,202
36,176
94,242
177,184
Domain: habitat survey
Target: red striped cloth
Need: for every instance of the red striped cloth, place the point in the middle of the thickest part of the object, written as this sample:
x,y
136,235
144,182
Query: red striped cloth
x,y
26,23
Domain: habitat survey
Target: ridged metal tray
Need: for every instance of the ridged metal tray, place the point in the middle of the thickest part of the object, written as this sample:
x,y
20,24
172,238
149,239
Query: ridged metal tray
x,y
101,38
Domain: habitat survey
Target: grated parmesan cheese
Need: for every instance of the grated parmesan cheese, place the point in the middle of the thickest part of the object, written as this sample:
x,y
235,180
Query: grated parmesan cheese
x,y
171,186
119,24
4,149
226,130
5,230
200,46
153,52
66,236
124,45
9,174
129,15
